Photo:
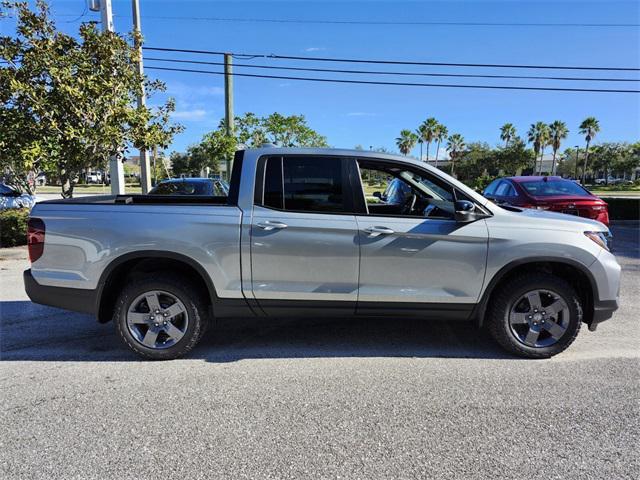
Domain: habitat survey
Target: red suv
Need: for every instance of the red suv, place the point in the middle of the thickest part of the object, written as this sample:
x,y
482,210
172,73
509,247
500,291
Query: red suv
x,y
548,193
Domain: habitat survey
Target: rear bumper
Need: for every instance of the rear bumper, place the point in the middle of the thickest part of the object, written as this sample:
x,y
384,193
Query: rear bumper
x,y
75,299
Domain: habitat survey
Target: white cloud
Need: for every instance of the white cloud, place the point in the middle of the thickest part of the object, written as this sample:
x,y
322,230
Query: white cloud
x,y
184,91
284,84
361,114
314,49
190,115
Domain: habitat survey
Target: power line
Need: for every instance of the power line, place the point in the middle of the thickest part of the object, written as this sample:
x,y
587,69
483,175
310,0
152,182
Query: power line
x,y
372,82
413,74
395,62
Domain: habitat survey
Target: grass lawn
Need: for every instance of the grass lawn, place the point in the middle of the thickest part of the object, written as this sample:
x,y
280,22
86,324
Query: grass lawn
x,y
616,193
615,190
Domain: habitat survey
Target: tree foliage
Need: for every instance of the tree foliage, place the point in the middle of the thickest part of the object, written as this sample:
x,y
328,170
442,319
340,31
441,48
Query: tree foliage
x,y
281,130
250,131
68,104
406,141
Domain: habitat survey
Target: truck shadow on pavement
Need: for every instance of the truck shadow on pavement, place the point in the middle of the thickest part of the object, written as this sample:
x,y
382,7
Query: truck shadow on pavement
x,y
37,333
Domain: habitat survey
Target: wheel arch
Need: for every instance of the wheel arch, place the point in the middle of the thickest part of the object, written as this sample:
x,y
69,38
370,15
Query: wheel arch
x,y
577,274
147,261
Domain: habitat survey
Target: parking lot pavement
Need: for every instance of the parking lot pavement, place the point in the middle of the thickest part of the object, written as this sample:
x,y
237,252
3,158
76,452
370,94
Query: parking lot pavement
x,y
341,399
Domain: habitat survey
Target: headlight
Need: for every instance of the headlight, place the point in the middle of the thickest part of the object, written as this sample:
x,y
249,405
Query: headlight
x,y
601,238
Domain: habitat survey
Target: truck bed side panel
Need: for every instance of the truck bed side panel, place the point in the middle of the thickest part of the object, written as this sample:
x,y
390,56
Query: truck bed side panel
x,y
82,240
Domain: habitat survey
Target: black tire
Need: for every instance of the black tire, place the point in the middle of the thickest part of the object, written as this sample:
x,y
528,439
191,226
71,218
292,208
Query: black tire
x,y
503,300
183,290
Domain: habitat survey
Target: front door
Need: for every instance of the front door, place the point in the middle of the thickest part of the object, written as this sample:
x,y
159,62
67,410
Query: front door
x,y
413,252
304,236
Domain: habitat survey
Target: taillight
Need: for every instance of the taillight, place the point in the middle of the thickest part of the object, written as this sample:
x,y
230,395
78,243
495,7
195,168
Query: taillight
x,y
35,238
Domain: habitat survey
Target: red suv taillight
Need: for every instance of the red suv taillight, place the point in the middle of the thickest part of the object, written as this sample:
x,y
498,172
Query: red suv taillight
x,y
35,238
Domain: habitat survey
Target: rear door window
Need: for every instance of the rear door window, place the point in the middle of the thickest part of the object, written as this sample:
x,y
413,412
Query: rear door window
x,y
306,184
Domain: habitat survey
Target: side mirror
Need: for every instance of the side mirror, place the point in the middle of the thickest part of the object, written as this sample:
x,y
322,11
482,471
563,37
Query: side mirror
x,y
377,195
464,211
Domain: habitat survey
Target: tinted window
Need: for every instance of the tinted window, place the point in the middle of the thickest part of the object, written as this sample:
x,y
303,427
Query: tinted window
x,y
313,184
491,188
540,188
272,196
505,189
183,187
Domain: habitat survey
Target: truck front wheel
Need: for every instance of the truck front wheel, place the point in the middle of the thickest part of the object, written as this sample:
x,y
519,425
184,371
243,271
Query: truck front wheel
x,y
160,318
535,316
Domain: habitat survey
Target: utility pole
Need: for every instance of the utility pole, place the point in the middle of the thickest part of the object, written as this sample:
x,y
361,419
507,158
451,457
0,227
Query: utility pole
x,y
145,177
228,103
116,169
575,173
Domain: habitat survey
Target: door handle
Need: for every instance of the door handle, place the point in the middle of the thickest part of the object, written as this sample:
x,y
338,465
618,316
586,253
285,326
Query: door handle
x,y
375,231
271,225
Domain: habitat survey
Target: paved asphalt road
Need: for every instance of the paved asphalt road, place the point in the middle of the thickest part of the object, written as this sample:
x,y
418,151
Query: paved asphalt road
x,y
352,399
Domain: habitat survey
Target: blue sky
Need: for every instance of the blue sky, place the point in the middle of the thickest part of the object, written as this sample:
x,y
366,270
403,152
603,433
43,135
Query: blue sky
x,y
374,115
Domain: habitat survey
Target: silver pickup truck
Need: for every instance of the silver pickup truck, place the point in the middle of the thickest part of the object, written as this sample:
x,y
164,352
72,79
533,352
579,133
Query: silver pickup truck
x,y
307,232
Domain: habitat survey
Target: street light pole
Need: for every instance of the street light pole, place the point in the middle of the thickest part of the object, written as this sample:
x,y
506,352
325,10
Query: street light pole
x,y
145,177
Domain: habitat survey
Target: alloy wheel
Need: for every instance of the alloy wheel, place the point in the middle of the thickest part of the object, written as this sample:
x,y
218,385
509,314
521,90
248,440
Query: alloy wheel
x,y
539,318
157,319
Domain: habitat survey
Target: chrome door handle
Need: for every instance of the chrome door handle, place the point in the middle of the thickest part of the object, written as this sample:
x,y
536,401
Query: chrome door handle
x,y
271,225
375,231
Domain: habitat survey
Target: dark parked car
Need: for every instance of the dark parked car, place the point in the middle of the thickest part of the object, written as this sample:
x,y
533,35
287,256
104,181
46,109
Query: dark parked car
x,y
548,193
192,186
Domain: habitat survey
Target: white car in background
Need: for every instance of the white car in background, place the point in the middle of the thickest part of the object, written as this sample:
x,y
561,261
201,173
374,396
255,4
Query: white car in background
x,y
11,198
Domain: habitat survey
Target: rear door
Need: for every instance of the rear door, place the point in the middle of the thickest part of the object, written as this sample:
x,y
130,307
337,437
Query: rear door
x,y
304,236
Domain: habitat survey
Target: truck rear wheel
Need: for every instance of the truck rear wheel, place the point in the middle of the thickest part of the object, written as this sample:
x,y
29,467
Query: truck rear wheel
x,y
535,316
160,318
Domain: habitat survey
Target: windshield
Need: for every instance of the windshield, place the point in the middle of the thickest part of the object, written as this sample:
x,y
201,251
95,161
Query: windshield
x,y
550,188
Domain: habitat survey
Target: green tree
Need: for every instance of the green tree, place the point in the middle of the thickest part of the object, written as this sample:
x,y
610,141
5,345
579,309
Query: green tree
x,y
455,146
475,161
558,131
68,103
507,133
426,133
281,130
440,136
406,141
181,164
514,158
589,127
538,135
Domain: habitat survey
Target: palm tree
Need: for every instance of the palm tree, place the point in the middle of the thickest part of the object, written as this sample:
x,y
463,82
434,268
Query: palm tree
x,y
507,133
538,135
427,131
406,141
558,131
589,127
440,135
455,145
420,141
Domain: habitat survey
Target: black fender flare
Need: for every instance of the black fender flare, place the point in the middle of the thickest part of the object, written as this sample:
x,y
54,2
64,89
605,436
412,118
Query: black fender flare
x,y
481,307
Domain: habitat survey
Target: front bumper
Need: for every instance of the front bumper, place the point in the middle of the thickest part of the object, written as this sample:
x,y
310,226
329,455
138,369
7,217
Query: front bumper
x,y
75,299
